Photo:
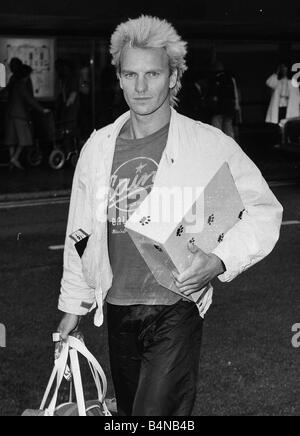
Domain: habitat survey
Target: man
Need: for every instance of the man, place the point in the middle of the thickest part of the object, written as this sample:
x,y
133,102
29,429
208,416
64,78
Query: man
x,y
68,101
154,334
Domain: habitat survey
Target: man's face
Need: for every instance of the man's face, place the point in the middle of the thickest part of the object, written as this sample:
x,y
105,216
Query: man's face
x,y
145,79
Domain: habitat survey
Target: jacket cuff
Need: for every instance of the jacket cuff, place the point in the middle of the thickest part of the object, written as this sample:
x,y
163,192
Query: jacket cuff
x,y
232,264
75,307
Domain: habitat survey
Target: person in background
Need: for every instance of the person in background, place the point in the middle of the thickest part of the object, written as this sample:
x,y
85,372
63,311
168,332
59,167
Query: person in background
x,y
20,103
285,98
223,102
68,101
85,100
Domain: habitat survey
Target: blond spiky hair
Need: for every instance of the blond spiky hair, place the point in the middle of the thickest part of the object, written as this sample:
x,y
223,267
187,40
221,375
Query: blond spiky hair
x,y
151,32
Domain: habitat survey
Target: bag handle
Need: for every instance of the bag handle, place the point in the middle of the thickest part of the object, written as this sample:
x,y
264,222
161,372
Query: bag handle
x,y
78,384
58,373
76,345
99,374
75,367
71,347
99,389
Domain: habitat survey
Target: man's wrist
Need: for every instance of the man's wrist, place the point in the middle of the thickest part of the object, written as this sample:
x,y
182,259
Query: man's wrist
x,y
218,264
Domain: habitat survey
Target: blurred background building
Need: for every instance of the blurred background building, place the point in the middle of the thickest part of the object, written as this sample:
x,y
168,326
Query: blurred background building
x,y
249,38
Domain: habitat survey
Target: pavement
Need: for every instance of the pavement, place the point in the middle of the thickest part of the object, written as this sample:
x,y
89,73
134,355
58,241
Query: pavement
x,y
34,183
248,366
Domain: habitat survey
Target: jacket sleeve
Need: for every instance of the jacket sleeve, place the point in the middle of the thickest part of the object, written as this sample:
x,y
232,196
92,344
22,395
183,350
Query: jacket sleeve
x,y
272,81
76,296
256,234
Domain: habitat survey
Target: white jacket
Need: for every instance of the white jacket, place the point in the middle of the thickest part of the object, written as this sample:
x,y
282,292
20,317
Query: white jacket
x,y
86,281
293,109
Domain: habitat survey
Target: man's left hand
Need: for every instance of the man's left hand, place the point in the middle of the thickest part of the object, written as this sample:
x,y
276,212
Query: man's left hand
x,y
204,268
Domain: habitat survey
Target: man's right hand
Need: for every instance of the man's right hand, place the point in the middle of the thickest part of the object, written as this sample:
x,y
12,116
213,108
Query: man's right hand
x,y
67,325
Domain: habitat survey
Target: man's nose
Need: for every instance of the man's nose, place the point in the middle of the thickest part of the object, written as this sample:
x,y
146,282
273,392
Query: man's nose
x,y
140,84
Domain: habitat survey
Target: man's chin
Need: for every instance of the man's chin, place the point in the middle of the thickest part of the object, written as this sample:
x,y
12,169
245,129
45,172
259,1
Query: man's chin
x,y
143,111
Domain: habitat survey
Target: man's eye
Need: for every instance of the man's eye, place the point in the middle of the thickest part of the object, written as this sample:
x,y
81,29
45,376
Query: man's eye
x,y
153,74
129,75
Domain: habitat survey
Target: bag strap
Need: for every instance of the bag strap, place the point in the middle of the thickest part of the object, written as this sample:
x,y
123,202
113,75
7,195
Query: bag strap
x,y
48,389
72,346
99,389
81,348
77,382
58,373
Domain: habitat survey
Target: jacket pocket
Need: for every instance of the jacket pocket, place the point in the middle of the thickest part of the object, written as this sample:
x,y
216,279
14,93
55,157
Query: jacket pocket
x,y
90,264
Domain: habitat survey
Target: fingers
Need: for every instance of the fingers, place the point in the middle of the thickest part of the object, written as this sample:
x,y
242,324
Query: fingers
x,y
187,290
188,277
193,247
68,324
190,285
63,330
190,292
176,275
78,335
192,273
58,349
64,335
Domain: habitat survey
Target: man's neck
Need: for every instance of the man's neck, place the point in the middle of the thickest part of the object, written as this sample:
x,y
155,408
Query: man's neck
x,y
140,126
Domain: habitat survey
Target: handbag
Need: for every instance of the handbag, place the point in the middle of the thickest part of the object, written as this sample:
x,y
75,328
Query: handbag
x,y
98,407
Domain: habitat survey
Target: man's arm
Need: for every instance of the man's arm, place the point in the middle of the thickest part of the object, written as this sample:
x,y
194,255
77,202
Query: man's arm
x,y
256,234
76,296
250,240
67,325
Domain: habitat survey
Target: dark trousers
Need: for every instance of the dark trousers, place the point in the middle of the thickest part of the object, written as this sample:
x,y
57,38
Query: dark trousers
x,y
154,358
281,113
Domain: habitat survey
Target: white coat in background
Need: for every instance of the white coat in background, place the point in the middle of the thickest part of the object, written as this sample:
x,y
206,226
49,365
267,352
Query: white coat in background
x,y
293,109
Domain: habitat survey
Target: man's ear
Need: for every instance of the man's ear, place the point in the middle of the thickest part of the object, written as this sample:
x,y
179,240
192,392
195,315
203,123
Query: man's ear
x,y
173,79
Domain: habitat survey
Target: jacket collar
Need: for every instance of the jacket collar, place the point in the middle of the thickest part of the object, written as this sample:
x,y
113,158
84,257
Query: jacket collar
x,y
172,145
